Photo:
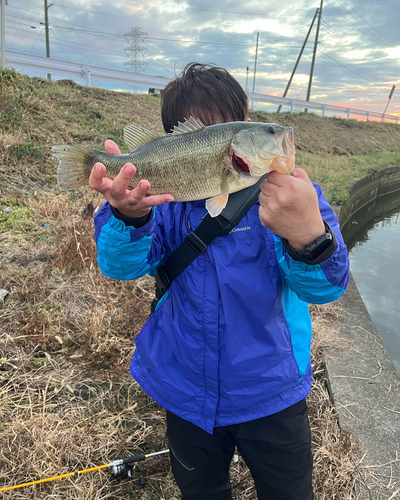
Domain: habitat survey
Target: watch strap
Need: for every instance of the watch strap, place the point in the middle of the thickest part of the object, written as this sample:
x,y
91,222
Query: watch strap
x,y
315,252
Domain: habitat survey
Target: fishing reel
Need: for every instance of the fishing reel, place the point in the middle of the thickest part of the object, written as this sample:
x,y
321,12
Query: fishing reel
x,y
124,468
125,472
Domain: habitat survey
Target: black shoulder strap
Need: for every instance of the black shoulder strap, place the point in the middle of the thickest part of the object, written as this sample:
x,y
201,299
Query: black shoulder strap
x,y
197,242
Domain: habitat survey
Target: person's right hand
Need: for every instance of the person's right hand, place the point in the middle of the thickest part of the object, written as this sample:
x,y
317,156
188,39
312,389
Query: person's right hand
x,y
130,202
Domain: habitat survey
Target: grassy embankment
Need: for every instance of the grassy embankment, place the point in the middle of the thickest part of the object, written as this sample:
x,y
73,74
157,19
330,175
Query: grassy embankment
x,y
67,401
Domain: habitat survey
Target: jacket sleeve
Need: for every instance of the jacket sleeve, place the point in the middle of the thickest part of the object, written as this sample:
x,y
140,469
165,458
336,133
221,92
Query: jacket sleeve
x,y
322,283
126,253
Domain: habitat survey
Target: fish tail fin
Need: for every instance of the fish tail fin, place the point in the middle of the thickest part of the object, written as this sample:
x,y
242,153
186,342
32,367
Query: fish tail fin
x,y
74,167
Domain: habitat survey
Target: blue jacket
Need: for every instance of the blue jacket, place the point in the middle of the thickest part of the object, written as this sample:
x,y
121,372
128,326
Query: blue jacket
x,y
230,341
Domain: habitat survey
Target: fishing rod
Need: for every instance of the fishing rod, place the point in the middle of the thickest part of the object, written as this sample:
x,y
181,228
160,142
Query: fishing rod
x,y
119,469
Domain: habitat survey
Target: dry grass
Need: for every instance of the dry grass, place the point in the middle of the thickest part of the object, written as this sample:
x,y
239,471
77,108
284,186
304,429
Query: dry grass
x,y
67,401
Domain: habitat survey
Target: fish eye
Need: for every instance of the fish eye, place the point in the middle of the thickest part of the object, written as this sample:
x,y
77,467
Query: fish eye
x,y
271,130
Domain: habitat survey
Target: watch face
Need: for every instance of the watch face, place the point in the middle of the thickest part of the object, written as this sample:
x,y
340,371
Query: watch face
x,y
317,251
319,246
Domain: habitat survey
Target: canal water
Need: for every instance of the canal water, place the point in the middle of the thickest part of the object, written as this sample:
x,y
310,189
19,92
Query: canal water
x,y
375,265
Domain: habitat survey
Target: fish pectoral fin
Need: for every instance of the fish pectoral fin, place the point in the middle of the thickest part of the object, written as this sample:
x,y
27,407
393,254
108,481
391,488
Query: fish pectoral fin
x,y
135,136
216,204
191,125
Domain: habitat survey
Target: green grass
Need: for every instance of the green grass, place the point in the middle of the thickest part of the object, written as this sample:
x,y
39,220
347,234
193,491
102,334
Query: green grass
x,y
19,218
335,173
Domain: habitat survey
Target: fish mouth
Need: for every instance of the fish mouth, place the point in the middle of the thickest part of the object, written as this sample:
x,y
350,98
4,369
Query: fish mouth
x,y
240,165
282,159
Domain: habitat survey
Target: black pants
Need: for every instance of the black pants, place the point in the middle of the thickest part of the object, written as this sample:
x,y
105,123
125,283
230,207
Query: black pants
x,y
277,450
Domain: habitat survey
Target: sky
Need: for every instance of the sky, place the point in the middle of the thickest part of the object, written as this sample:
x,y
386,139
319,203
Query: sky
x,y
358,56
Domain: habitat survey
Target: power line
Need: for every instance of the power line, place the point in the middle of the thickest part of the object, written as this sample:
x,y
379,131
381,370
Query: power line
x,y
371,26
101,50
74,45
257,14
59,43
119,36
348,69
23,15
22,18
72,24
33,46
390,44
202,43
182,41
374,61
171,40
143,23
357,28
330,28
70,44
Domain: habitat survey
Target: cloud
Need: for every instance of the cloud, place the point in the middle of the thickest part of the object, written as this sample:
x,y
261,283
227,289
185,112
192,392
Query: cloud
x,y
358,56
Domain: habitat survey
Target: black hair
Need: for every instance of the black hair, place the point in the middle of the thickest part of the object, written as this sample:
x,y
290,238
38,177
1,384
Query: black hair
x,y
206,92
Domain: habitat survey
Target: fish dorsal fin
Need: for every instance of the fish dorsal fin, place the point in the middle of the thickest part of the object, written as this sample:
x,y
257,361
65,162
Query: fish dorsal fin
x,y
191,125
135,136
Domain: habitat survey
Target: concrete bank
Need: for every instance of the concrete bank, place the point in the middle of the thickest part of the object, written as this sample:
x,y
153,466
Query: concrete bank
x,y
362,379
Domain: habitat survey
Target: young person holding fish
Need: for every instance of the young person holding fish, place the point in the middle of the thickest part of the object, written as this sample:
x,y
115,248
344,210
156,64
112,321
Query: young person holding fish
x,y
227,352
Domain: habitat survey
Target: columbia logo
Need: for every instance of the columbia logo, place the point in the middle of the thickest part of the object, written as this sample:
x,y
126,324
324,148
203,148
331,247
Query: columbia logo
x,y
238,229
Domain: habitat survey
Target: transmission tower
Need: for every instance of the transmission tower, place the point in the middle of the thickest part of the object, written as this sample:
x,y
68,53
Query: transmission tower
x,y
135,50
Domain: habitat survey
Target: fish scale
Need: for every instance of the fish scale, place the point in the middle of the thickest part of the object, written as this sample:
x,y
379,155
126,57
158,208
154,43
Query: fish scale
x,y
170,167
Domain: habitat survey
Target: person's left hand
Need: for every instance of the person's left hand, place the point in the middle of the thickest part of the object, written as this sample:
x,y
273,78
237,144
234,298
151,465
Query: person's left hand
x,y
289,208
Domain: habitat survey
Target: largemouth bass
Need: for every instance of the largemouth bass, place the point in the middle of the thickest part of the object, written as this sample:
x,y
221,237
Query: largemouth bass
x,y
194,162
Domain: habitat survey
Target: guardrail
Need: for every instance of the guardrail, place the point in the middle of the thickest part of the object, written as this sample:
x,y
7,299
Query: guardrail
x,y
70,69
19,60
292,103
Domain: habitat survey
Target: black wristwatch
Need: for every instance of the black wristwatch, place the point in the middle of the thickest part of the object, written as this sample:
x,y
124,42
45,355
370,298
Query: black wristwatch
x,y
317,251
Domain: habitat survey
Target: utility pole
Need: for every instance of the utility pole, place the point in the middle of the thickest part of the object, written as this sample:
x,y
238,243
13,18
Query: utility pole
x,y
247,79
255,67
298,59
315,53
390,96
3,34
46,26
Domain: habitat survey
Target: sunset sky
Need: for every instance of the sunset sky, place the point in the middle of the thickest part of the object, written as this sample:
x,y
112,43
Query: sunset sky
x,y
358,57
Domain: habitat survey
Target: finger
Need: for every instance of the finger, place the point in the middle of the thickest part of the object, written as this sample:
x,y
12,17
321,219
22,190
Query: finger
x,y
264,199
97,180
268,188
139,192
300,173
152,201
279,179
112,148
266,215
122,180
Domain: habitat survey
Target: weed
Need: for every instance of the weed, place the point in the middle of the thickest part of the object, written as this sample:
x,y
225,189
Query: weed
x,y
27,149
18,217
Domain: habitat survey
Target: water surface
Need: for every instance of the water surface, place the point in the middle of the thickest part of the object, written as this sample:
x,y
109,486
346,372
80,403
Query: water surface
x,y
375,265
